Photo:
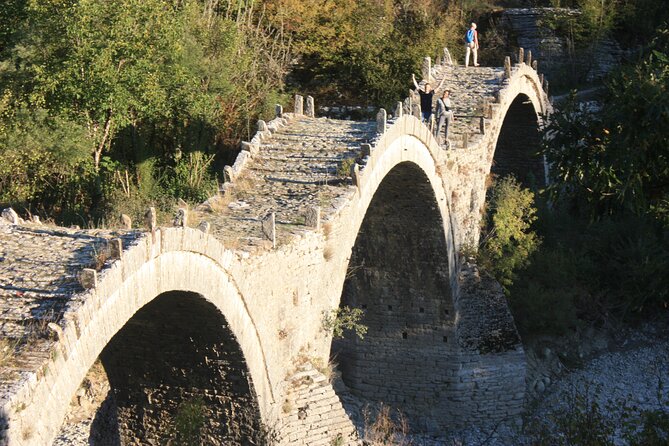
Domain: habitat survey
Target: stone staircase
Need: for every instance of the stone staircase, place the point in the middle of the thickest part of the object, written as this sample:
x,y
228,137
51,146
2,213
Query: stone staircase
x,y
315,415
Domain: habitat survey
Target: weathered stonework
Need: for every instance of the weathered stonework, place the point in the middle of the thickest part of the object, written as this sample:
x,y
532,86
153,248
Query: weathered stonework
x,y
392,232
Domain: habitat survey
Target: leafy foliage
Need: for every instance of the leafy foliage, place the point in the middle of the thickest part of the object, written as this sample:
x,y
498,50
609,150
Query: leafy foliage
x,y
344,318
605,161
508,240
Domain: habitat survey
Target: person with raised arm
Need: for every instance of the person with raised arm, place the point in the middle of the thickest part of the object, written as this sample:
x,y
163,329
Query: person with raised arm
x,y
426,94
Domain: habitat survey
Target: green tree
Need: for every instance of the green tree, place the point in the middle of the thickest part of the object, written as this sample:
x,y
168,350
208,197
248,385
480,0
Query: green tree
x,y
508,240
615,159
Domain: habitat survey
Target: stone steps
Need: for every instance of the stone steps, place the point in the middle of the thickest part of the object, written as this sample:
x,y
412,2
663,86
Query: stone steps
x,y
314,414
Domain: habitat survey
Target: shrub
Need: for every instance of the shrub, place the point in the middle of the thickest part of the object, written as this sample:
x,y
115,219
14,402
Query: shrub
x,y
508,240
344,318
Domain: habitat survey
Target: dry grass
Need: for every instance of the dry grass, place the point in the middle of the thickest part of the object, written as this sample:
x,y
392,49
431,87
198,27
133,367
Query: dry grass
x,y
328,253
327,230
6,352
383,429
325,368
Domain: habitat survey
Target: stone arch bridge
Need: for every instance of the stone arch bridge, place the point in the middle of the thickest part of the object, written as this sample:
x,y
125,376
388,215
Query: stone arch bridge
x,y
226,311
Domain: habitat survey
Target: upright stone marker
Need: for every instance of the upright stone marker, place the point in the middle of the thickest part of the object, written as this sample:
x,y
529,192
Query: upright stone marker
x,y
507,67
399,110
278,110
310,110
150,219
88,278
529,58
11,216
426,69
262,126
115,248
126,222
204,226
535,65
448,60
312,217
521,55
299,104
228,174
181,219
268,225
381,120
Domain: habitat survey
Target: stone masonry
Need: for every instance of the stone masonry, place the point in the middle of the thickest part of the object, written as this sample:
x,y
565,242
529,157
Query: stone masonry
x,y
225,311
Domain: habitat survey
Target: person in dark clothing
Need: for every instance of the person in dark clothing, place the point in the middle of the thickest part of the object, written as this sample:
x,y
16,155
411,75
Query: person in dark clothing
x,y
426,94
444,117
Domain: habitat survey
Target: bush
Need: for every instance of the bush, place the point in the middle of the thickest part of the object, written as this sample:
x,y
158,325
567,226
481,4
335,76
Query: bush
x,y
508,240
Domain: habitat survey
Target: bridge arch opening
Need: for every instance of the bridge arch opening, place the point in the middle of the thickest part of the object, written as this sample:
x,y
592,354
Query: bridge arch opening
x,y
518,145
177,376
398,274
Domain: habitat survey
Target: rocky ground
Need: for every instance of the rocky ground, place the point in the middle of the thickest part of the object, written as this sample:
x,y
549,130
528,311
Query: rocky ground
x,y
623,373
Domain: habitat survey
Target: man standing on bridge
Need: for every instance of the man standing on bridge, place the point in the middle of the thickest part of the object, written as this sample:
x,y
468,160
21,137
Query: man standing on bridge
x,y
426,94
471,45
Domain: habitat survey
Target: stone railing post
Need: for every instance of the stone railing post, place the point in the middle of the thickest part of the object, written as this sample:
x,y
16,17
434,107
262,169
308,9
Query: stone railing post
x,y
529,58
507,67
426,69
278,110
88,278
399,109
521,55
181,218
299,104
115,248
535,65
150,219
447,57
381,119
204,226
126,222
312,217
310,109
268,225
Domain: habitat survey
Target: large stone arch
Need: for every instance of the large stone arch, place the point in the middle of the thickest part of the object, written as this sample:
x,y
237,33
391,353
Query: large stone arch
x,y
158,264
407,141
402,210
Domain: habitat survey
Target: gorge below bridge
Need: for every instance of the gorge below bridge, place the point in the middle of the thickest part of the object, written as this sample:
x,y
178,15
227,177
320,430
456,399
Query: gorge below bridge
x,y
225,310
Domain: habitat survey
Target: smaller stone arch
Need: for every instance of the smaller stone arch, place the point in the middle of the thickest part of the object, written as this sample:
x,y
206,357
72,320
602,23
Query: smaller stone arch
x,y
157,264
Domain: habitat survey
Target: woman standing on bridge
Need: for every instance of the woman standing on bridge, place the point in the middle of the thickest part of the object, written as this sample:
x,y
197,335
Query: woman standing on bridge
x,y
426,94
444,117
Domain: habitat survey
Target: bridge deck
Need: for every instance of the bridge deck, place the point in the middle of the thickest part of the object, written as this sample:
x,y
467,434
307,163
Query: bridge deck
x,y
297,168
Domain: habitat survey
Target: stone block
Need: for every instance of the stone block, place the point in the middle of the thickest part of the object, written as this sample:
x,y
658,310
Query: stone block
x,y
268,226
88,278
312,217
11,216
299,104
181,218
310,109
381,121
204,226
115,248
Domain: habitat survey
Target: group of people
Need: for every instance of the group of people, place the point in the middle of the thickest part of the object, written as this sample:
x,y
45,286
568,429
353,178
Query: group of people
x,y
444,112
